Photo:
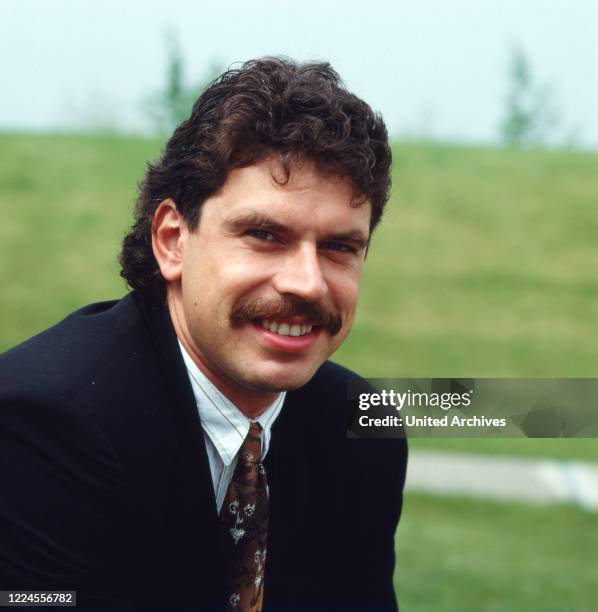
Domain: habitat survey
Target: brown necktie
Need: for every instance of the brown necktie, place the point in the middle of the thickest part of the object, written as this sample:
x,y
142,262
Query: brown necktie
x,y
244,520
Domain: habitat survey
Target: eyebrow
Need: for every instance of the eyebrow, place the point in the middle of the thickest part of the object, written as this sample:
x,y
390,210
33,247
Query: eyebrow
x,y
356,238
253,219
260,220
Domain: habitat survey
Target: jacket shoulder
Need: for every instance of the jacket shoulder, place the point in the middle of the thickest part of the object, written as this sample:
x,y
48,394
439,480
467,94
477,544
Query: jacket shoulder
x,y
65,359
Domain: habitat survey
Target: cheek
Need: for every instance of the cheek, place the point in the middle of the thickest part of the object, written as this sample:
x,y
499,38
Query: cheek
x,y
345,289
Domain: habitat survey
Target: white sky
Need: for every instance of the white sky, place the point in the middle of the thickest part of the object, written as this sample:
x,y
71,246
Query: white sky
x,y
434,68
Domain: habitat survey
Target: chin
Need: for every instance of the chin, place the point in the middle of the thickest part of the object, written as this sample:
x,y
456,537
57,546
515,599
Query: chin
x,y
282,380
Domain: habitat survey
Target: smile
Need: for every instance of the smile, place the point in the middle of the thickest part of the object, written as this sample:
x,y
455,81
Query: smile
x,y
285,336
284,329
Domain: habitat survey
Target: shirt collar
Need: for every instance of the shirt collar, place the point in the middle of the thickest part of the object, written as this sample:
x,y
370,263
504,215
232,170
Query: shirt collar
x,y
226,426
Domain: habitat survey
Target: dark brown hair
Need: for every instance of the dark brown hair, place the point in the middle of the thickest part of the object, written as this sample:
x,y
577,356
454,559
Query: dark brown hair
x,y
270,106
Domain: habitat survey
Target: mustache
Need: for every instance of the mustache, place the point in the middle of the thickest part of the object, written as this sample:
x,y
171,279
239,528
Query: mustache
x,y
287,306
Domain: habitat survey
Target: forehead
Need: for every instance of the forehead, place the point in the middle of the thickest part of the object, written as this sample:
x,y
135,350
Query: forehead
x,y
304,196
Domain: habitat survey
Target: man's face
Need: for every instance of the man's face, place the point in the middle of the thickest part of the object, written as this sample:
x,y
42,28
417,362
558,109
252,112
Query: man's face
x,y
270,277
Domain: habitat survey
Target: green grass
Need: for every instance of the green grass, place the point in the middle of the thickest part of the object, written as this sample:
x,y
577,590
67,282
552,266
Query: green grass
x,y
485,263
459,554
65,202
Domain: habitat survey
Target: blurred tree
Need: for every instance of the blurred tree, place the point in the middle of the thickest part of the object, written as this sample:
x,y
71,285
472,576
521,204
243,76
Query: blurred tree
x,y
171,105
530,116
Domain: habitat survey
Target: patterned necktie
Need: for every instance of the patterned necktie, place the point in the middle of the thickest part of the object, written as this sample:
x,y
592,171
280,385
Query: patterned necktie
x,y
244,521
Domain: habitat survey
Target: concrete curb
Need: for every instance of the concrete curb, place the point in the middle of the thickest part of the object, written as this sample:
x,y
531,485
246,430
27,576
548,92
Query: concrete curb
x,y
542,481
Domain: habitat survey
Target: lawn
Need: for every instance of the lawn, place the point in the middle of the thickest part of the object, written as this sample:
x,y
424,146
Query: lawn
x,y
485,265
65,204
459,554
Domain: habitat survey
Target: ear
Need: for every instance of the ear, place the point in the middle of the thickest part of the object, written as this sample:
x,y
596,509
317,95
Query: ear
x,y
168,234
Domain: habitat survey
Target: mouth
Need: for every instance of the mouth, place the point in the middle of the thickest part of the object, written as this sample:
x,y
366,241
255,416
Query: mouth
x,y
289,336
290,328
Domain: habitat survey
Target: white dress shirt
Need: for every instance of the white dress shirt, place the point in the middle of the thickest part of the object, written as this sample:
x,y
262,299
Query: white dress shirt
x,y
225,427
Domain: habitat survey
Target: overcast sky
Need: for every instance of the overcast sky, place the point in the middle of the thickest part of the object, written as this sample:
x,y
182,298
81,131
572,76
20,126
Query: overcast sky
x,y
434,68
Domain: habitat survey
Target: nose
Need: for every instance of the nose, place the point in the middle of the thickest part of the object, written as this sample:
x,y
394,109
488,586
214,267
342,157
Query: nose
x,y
300,274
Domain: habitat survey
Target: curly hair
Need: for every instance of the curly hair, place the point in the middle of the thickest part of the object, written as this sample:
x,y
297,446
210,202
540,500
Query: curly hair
x,y
267,107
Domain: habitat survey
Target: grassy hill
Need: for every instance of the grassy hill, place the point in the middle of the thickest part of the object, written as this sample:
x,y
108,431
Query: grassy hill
x,y
457,555
485,263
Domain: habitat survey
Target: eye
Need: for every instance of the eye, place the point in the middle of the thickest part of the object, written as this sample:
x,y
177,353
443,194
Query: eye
x,y
261,234
339,247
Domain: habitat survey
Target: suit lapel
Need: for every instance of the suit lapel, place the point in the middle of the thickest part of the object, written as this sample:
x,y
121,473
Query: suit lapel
x,y
193,547
183,411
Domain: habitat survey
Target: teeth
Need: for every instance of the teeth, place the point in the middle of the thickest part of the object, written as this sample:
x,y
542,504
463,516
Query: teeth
x,y
284,329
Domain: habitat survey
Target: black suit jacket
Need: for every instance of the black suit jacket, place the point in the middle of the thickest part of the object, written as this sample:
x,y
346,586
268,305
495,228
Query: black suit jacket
x,y
106,486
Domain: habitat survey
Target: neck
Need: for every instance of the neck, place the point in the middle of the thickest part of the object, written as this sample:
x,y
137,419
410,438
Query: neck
x,y
250,402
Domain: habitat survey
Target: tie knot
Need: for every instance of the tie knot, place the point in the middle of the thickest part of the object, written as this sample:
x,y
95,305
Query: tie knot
x,y
251,449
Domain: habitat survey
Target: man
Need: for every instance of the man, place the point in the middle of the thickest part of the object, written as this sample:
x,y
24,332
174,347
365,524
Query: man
x,y
186,446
